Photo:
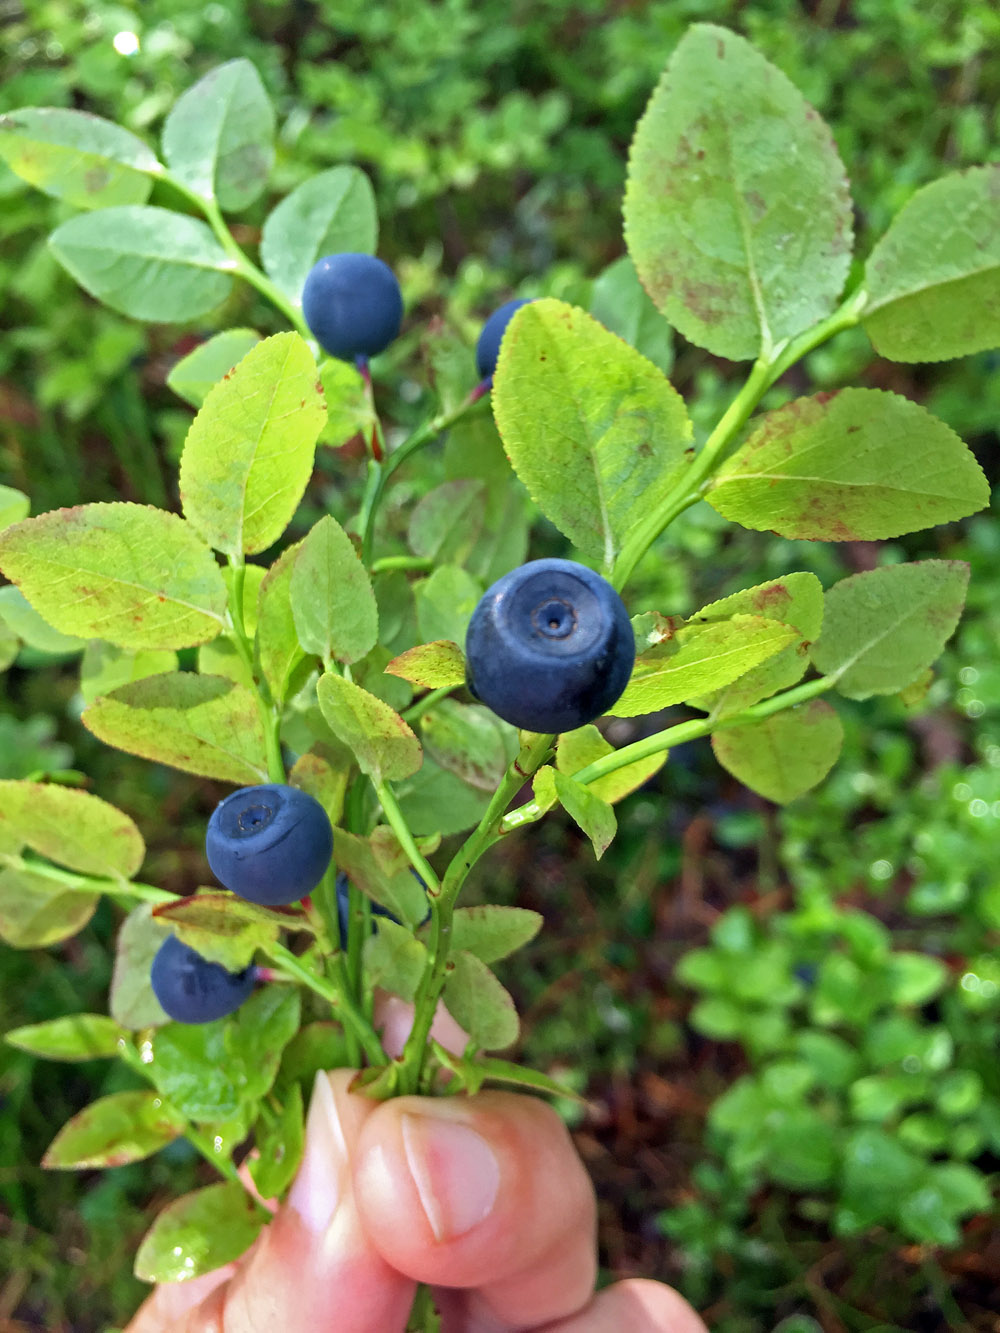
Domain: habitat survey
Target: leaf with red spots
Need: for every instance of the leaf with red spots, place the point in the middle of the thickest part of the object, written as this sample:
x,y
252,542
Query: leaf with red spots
x,y
123,1127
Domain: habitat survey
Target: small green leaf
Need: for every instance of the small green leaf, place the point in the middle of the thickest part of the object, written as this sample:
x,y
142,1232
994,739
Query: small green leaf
x,y
21,619
934,278
856,465
14,504
209,1070
324,771
446,522
380,868
123,1127
469,741
620,302
128,573
575,750
737,211
249,453
597,434
699,658
594,816
503,1071
332,213
36,911
72,827
314,1049
394,959
784,755
445,603
331,596
199,371
104,667
222,927
491,932
74,1037
430,664
436,801
384,746
949,1191
277,640
73,155
149,263
219,136
883,628
279,1142
914,978
349,409
199,1232
132,1002
479,1004
543,786
200,724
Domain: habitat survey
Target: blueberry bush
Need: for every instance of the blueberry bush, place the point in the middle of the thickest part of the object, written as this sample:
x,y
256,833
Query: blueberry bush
x,y
329,666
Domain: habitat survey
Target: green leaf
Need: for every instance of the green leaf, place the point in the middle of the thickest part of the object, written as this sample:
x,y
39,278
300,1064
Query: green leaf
x,y
330,214
479,1004
277,640
435,801
222,927
950,1190
914,978
784,755
469,741
21,618
324,771
219,137
394,959
199,371
200,724
619,301
132,1002
698,658
208,1070
430,664
795,599
737,211
249,453
331,596
314,1049
597,434
445,603
10,645
594,816
73,1037
199,1232
72,827
14,504
380,868
877,1172
575,750
280,1143
124,1127
128,573
148,263
446,522
933,280
856,465
491,932
503,1071
104,667
86,160
384,746
349,408
883,628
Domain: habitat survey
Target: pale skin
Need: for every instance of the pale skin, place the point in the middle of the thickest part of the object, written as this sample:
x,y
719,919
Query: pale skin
x,y
482,1197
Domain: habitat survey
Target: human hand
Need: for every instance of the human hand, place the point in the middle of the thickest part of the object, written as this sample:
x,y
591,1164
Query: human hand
x,y
482,1197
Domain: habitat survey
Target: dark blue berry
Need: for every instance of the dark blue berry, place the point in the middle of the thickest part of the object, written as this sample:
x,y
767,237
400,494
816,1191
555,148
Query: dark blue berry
x,y
269,844
488,346
353,305
549,647
190,989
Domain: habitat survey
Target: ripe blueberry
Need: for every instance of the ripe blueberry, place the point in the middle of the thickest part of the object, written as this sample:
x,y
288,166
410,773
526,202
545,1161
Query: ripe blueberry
x,y
269,844
549,647
488,346
352,304
190,989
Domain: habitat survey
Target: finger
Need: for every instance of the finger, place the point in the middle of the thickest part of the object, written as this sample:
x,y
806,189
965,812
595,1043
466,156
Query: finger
x,y
637,1305
313,1266
484,1192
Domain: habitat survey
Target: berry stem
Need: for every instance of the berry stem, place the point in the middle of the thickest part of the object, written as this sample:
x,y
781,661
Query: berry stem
x,y
338,996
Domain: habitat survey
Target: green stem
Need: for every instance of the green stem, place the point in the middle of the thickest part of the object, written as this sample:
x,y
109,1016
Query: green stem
x,y
270,715
534,751
673,736
694,483
241,265
72,879
338,997
399,826
388,562
416,711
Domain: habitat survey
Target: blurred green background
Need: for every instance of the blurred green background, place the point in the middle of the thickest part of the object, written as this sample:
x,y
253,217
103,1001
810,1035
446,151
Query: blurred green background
x,y
786,1021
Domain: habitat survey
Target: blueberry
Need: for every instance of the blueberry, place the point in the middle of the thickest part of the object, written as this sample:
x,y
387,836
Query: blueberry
x,y
353,305
190,989
549,647
488,346
269,844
